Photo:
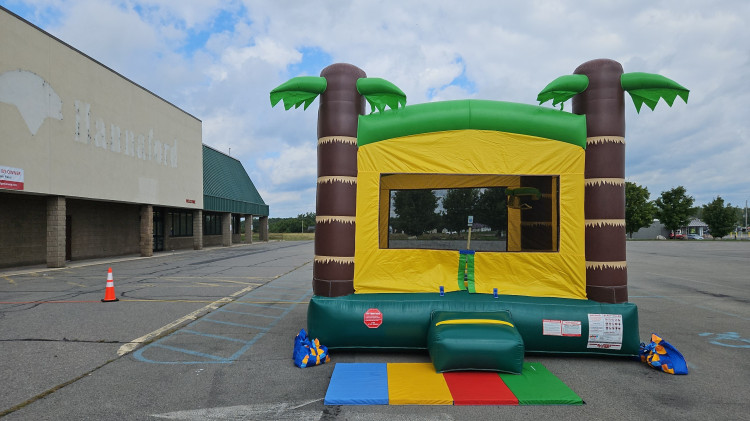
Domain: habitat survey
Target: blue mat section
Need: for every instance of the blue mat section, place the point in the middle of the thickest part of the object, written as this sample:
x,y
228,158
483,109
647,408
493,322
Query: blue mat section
x,y
358,384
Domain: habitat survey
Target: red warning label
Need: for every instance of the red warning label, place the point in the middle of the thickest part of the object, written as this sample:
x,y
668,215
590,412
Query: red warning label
x,y
373,318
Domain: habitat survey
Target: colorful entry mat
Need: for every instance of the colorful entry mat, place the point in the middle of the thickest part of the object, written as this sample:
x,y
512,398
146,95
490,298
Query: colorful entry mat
x,y
419,384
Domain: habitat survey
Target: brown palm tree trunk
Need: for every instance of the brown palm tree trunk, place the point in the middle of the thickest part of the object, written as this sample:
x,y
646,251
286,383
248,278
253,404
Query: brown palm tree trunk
x,y
340,107
603,104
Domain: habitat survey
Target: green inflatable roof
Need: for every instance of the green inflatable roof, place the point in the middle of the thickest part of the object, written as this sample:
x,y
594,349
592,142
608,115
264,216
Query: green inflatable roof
x,y
473,114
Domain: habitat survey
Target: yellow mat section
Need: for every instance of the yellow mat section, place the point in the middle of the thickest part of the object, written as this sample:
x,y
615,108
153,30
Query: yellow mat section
x,y
417,384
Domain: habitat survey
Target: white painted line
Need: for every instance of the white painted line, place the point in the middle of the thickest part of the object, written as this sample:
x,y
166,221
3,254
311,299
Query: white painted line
x,y
130,346
270,411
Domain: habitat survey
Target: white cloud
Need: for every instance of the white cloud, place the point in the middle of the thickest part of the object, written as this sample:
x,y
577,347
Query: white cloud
x,y
292,167
290,203
264,49
506,50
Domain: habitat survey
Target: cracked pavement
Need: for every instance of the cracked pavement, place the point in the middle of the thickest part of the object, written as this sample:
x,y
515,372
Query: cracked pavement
x,y
55,327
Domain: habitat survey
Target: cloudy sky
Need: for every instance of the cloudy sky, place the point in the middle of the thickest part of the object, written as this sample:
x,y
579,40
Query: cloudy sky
x,y
218,60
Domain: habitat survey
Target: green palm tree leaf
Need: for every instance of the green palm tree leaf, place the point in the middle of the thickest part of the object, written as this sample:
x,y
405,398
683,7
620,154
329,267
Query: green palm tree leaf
x,y
298,91
648,88
380,93
563,88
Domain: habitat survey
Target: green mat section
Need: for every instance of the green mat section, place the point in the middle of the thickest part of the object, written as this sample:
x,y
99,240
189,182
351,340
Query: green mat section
x,y
538,386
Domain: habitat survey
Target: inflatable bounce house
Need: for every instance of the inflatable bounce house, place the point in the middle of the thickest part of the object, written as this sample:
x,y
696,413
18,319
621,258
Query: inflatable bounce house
x,y
560,283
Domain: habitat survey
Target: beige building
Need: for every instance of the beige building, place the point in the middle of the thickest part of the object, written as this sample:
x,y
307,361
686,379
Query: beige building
x,y
94,165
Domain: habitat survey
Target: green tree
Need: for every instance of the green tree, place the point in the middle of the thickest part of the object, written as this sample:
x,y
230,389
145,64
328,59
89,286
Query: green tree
x,y
639,211
289,224
720,219
674,208
458,205
415,210
492,210
306,220
282,225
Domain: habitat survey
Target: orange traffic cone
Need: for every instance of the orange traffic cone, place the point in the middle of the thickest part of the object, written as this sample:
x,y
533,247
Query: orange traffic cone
x,y
109,291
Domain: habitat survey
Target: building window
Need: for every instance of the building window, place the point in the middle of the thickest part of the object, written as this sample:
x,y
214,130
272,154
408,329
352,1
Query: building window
x,y
236,224
212,224
181,223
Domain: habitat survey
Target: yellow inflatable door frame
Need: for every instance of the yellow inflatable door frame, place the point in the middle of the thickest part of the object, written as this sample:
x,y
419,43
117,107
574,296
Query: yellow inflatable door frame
x,y
470,158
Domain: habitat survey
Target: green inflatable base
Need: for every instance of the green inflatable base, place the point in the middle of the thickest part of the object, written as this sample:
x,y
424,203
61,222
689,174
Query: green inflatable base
x,y
401,321
474,341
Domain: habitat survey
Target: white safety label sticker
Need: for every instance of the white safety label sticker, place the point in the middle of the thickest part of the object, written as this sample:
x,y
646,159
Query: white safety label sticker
x,y
561,327
605,331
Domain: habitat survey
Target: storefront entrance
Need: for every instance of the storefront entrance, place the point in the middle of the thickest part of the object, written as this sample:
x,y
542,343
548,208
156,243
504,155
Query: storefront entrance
x,y
158,229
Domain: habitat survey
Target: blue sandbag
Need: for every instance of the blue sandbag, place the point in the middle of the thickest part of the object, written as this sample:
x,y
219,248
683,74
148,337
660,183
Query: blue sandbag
x,y
661,355
307,352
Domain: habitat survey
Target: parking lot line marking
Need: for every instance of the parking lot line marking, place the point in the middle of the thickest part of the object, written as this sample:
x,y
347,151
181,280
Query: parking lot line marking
x,y
235,324
139,353
264,411
238,282
147,300
246,313
191,352
254,304
213,283
242,291
10,280
267,291
49,302
265,303
244,349
277,287
209,335
128,347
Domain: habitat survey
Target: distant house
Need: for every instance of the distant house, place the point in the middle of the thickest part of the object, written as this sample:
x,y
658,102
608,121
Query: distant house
x,y
695,226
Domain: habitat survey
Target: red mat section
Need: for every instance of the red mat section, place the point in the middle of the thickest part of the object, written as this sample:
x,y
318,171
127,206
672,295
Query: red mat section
x,y
478,388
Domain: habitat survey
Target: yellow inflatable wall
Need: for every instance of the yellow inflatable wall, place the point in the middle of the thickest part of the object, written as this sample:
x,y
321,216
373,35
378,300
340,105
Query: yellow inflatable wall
x,y
470,158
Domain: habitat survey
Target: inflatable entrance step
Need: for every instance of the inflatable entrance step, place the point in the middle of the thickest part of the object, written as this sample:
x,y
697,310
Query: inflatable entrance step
x,y
487,341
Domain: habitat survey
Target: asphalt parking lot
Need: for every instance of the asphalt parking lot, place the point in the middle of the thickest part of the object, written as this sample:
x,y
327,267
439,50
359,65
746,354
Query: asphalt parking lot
x,y
208,334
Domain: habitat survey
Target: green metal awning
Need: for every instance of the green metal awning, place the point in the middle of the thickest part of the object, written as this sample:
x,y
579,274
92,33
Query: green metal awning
x,y
227,187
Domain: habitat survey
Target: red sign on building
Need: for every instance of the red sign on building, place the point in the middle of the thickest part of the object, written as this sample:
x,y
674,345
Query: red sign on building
x,y
11,178
373,318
